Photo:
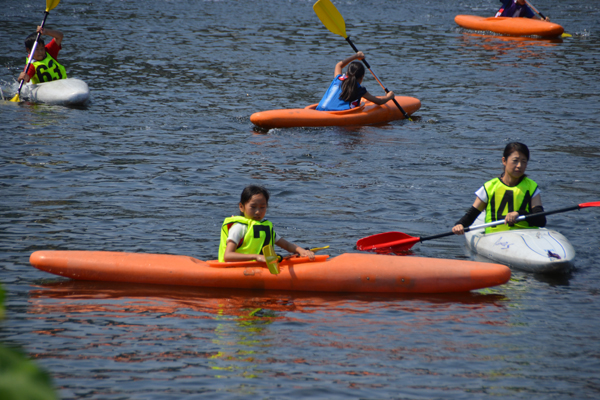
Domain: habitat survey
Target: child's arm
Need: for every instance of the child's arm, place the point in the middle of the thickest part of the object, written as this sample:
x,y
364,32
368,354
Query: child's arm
x,y
292,248
379,99
340,66
231,255
470,217
57,35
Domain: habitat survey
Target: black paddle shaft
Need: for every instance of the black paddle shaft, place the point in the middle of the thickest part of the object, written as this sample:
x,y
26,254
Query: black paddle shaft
x,y
534,9
364,60
356,51
577,207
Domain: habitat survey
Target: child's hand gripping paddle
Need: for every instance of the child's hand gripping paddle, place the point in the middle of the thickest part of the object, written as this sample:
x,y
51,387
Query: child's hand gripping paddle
x,y
50,4
333,20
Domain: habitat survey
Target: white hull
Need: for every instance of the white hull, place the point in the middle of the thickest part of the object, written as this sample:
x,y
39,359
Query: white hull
x,y
67,92
532,250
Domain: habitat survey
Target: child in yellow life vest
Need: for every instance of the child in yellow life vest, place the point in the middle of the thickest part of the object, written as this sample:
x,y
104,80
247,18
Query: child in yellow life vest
x,y
243,237
44,66
507,197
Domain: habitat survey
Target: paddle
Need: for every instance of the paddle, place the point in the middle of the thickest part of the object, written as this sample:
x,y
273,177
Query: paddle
x,y
544,18
50,4
314,250
333,20
402,242
272,259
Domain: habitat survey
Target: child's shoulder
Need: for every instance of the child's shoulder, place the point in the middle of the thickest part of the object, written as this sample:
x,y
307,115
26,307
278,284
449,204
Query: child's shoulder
x,y
53,48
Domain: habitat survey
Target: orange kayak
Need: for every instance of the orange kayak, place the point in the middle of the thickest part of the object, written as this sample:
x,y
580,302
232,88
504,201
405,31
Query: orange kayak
x,y
367,114
349,272
510,26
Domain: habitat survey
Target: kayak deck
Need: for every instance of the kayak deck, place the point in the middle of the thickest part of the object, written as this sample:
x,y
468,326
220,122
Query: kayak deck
x,y
531,250
349,272
367,114
68,92
510,26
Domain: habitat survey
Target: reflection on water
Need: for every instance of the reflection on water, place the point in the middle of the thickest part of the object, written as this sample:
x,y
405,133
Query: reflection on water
x,y
138,298
246,333
498,47
518,41
242,331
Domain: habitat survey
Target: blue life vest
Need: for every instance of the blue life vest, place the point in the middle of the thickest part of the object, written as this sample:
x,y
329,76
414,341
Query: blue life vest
x,y
331,100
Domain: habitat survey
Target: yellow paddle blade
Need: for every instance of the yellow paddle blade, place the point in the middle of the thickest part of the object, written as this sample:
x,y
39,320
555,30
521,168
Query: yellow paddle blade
x,y
330,17
271,258
566,35
319,248
50,4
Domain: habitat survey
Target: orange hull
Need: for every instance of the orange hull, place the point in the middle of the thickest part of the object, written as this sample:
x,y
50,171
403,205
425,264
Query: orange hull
x,y
349,272
510,26
367,114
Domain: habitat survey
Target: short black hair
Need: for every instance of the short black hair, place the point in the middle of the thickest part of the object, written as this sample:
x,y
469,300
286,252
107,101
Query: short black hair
x,y
516,146
250,191
30,40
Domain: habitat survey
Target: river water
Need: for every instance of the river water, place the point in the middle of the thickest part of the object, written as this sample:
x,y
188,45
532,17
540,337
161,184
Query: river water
x,y
160,155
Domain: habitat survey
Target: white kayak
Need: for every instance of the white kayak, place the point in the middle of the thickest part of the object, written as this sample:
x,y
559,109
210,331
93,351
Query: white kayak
x,y
68,92
533,250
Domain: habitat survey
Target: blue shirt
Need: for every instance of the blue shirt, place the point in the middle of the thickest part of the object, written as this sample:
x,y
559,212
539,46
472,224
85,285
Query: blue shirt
x,y
513,9
331,100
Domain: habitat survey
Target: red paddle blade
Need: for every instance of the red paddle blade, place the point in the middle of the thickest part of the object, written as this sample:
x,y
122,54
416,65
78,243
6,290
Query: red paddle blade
x,y
591,204
396,241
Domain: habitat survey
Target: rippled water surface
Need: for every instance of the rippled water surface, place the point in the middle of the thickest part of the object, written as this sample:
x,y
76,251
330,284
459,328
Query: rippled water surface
x,y
160,155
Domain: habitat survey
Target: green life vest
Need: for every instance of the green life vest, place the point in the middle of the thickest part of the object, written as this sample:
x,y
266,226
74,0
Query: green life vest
x,y
259,235
48,70
504,199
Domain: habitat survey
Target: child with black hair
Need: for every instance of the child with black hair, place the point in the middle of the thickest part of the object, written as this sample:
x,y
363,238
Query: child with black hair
x,y
44,65
345,92
243,237
508,196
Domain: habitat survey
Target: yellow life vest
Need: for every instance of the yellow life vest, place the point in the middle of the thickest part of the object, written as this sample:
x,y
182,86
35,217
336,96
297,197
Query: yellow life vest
x,y
504,199
259,235
48,70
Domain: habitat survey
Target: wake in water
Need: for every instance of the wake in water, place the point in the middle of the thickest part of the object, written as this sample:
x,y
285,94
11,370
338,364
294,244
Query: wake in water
x,y
8,89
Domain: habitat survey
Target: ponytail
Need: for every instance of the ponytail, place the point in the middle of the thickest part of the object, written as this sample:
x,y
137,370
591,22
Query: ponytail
x,y
355,72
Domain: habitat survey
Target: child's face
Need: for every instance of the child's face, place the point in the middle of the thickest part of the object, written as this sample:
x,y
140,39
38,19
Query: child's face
x,y
40,52
515,165
256,208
